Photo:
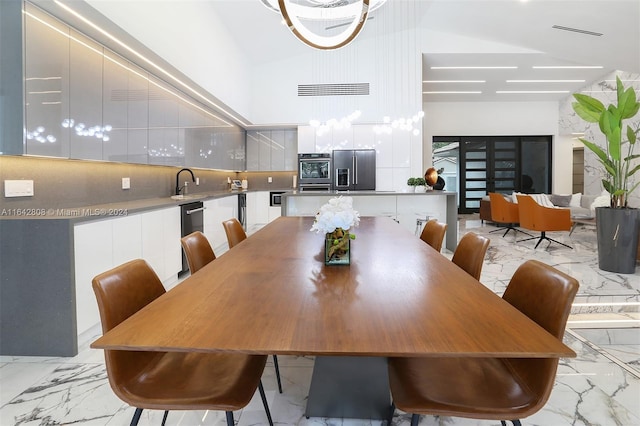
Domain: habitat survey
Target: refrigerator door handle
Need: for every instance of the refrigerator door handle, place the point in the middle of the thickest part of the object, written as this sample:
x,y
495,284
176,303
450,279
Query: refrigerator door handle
x,y
355,170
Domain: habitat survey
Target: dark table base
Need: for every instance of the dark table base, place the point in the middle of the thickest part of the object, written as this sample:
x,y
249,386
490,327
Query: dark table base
x,y
349,387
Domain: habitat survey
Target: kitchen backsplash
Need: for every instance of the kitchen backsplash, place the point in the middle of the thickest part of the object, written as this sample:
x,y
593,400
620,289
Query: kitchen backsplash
x,y
62,183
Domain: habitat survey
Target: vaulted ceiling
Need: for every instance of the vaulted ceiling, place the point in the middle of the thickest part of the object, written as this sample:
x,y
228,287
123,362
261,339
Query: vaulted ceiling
x,y
484,33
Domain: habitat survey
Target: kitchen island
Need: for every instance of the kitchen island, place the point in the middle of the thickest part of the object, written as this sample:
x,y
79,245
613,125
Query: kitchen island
x,y
404,207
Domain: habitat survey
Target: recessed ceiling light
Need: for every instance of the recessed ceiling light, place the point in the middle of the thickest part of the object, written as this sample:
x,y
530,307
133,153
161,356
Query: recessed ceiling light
x,y
476,68
454,92
567,67
546,81
531,91
454,81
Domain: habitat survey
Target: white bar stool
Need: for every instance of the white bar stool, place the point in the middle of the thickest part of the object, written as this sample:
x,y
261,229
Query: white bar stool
x,y
419,223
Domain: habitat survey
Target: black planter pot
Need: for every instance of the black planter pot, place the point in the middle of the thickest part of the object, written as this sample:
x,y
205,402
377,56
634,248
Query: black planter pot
x,y
617,231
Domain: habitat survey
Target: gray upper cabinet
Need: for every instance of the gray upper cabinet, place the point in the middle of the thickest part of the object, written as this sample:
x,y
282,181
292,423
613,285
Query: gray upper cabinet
x,y
164,145
84,101
272,150
46,86
85,98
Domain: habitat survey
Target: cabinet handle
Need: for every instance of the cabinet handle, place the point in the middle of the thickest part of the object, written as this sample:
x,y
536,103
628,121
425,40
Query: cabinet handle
x,y
195,210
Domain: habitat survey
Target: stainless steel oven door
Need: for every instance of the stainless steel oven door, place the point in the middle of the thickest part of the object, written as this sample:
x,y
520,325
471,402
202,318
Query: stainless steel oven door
x,y
314,169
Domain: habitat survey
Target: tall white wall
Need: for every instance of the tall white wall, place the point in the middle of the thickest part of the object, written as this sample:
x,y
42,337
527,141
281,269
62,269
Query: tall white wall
x,y
501,119
386,55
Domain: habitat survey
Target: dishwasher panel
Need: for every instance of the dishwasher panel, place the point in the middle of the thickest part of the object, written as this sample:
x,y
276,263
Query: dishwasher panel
x,y
192,219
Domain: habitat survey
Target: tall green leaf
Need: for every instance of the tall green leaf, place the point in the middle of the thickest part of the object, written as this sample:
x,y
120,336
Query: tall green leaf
x,y
631,135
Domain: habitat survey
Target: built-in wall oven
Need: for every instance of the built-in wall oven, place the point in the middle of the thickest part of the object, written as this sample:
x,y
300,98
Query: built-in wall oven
x,y
314,171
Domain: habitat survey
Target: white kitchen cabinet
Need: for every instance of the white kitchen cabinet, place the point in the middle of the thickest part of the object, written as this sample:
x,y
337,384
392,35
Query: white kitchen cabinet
x,y
306,139
262,207
93,254
217,211
161,241
127,238
104,244
172,248
252,209
343,138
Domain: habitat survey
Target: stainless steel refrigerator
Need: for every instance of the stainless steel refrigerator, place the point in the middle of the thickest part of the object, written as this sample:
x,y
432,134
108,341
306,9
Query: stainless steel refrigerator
x,y
355,169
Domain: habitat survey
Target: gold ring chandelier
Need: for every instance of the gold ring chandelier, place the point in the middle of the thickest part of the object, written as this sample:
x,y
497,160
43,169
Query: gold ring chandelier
x,y
324,15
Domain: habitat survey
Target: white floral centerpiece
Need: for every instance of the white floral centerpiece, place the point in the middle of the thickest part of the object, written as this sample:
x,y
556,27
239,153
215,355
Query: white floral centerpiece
x,y
335,219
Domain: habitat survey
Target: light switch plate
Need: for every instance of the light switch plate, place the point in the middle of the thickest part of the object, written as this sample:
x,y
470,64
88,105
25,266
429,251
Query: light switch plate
x,y
18,188
126,183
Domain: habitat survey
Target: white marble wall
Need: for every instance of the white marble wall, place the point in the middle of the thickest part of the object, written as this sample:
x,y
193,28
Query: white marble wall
x,y
570,122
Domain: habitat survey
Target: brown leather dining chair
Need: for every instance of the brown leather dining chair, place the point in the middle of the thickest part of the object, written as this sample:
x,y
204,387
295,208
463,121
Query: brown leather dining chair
x,y
536,217
491,388
470,252
197,250
504,213
433,233
234,231
169,380
235,235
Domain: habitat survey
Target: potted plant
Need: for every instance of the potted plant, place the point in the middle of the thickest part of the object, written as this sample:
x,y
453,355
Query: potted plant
x,y
420,185
411,182
617,225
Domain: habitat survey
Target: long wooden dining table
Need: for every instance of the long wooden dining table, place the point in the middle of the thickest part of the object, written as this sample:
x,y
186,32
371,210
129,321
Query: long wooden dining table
x,y
273,294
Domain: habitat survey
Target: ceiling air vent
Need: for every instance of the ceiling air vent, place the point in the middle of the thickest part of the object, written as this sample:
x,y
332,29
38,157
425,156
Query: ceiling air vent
x,y
576,30
345,89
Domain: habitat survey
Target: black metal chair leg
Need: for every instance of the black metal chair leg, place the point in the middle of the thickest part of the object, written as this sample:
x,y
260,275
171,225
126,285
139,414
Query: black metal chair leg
x,y
136,417
510,228
415,419
229,418
499,230
526,239
164,418
503,423
558,242
516,422
264,402
543,236
275,364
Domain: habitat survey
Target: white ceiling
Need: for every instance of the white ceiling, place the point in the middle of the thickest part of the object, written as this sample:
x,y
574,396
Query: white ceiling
x,y
486,33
